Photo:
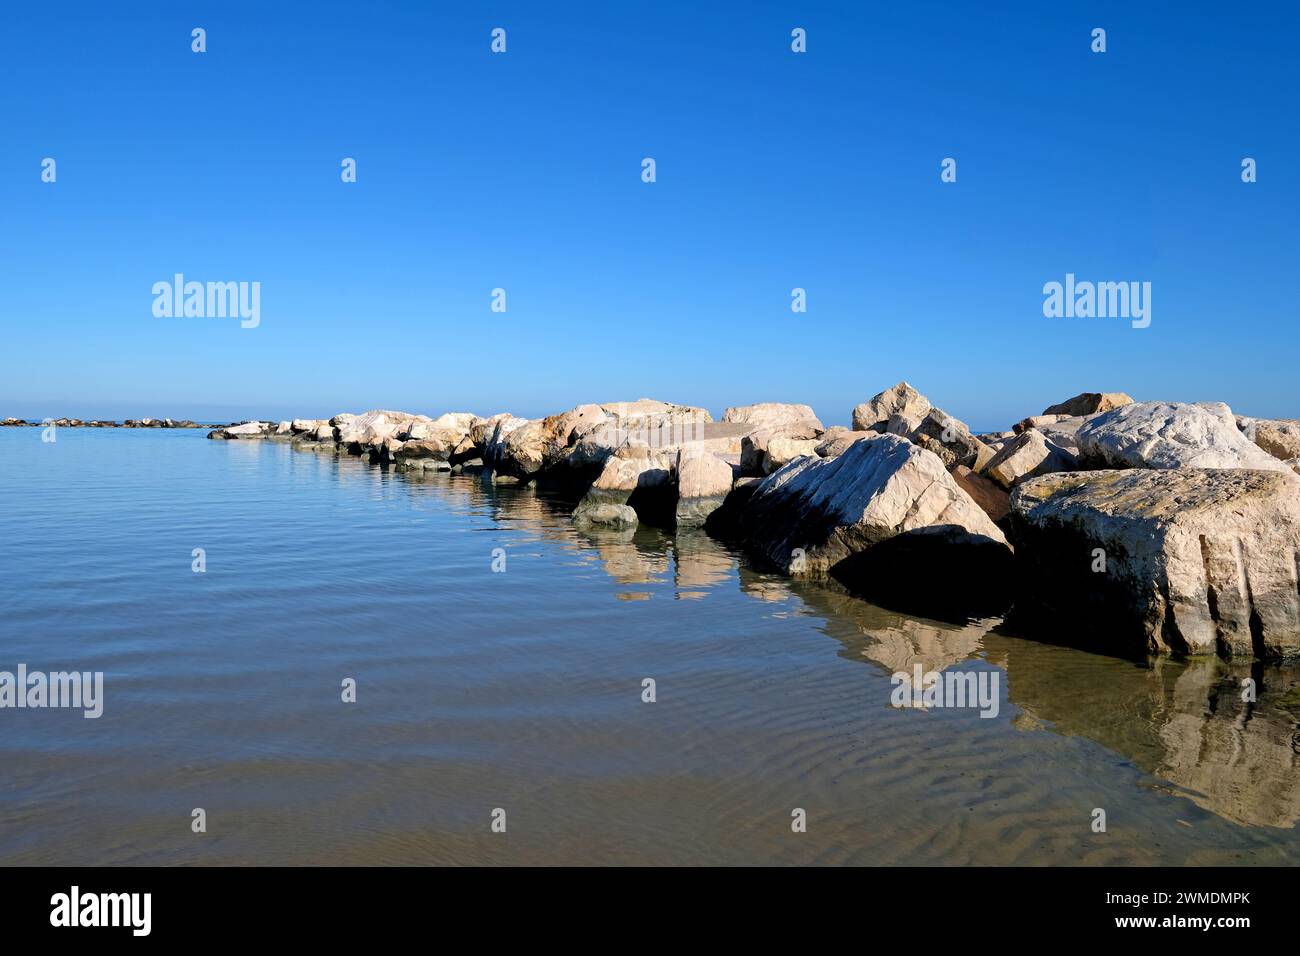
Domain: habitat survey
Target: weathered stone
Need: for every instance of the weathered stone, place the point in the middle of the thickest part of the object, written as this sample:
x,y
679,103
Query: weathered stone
x,y
1170,435
1089,403
703,483
886,518
901,399
1280,438
836,441
1036,421
372,427
631,469
754,446
1026,456
608,514
949,438
245,430
771,414
989,495
783,450
903,425
1180,560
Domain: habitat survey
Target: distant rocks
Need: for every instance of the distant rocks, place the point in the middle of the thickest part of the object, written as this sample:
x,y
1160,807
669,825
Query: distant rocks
x,y
100,423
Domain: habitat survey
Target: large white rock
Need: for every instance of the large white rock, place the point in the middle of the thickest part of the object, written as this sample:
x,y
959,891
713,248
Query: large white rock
x,y
901,399
1089,403
884,517
1170,435
1178,560
769,414
372,427
246,430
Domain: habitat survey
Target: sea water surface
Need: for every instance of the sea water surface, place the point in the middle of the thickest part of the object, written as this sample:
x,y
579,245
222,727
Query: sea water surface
x,y
521,690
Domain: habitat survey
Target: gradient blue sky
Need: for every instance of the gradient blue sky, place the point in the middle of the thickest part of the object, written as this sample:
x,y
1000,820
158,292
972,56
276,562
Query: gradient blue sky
x,y
522,170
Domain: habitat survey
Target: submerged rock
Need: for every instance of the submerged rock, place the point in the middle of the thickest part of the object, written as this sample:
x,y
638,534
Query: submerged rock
x,y
1189,561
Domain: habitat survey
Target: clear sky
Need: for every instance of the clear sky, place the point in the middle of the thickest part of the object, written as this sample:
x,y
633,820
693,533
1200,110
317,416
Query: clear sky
x,y
522,170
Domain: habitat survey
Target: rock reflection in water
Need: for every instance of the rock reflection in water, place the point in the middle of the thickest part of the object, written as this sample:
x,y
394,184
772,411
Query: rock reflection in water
x,y
1182,722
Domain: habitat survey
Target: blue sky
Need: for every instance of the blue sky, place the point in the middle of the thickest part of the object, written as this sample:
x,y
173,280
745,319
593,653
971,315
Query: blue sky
x,y
522,171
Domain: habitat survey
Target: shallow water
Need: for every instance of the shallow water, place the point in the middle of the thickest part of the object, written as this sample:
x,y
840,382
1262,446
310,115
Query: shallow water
x,y
522,690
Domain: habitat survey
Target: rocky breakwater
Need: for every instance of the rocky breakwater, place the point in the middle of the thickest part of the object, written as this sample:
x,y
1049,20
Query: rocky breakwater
x,y
1130,527
102,423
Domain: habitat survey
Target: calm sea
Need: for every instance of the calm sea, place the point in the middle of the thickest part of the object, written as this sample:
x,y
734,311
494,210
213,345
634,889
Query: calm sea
x,y
481,690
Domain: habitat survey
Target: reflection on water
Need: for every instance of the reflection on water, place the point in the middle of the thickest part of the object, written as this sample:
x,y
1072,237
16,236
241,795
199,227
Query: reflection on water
x,y
479,690
1185,722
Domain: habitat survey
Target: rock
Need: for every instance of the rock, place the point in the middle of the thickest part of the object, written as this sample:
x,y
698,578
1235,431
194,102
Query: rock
x,y
632,469
607,514
950,439
783,450
1186,560
754,446
1089,403
703,483
516,447
324,433
771,414
371,428
902,399
989,495
299,425
1026,456
284,428
420,454
1170,435
1280,438
903,425
245,430
836,441
885,518
1036,421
